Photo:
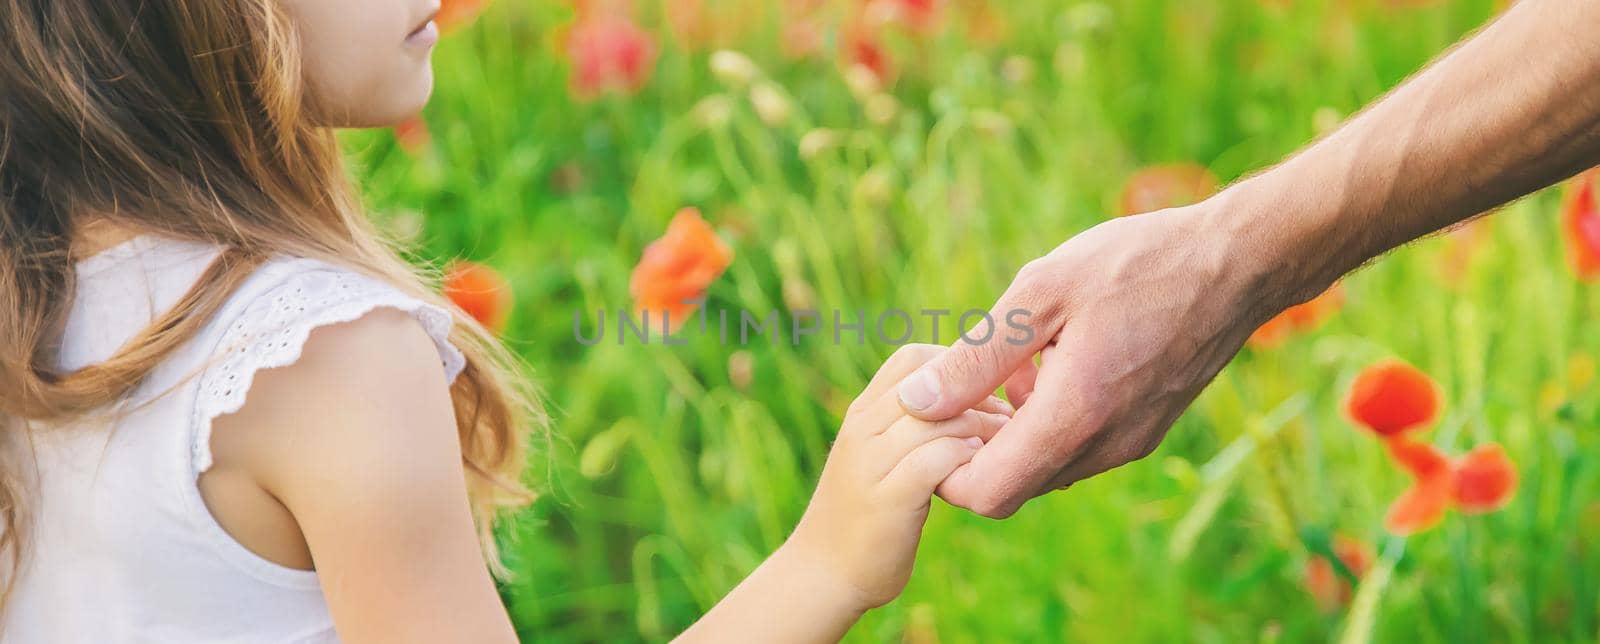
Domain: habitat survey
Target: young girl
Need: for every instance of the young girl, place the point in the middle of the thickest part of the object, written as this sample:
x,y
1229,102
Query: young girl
x,y
230,412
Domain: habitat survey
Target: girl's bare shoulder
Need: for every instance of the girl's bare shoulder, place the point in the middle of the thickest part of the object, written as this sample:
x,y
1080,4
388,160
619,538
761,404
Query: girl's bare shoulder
x,y
368,387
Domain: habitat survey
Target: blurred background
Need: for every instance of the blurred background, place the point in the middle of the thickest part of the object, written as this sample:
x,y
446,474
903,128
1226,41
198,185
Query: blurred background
x,y
877,154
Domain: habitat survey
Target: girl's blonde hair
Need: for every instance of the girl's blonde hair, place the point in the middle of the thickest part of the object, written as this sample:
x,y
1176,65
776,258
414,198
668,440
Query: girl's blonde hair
x,y
189,118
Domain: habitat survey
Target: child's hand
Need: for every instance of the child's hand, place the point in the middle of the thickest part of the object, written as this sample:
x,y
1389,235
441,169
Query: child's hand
x,y
853,548
866,517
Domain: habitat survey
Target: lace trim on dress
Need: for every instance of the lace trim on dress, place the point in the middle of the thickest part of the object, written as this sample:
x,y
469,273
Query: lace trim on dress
x,y
273,329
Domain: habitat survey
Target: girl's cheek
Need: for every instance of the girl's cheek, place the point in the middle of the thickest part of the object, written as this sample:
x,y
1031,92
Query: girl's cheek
x,y
362,79
359,70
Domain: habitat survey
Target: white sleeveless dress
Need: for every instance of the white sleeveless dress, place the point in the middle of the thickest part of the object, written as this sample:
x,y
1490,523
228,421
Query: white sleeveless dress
x,y
123,547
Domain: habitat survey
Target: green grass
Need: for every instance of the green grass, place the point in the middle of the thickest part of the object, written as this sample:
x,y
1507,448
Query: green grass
x,y
664,482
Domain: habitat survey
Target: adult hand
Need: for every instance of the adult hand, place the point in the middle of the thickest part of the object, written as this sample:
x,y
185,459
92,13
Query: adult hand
x,y
1130,320
1133,317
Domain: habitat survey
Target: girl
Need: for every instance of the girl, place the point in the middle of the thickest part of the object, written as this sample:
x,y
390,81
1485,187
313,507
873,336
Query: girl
x,y
230,412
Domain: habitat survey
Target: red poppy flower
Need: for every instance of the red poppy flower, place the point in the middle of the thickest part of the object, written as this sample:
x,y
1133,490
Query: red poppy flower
x,y
1485,480
1580,216
1298,318
1420,460
1273,333
679,266
608,52
454,14
479,291
412,134
1420,507
863,47
1329,589
1392,397
920,16
1166,186
1424,504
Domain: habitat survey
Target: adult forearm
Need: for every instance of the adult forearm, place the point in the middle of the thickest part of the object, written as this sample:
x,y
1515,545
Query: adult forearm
x,y
1509,111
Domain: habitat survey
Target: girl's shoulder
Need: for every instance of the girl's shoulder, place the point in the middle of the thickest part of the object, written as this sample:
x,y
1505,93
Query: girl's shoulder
x,y
268,321
299,336
261,324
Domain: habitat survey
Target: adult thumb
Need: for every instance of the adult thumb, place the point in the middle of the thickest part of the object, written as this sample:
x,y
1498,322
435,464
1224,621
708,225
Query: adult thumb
x,y
976,364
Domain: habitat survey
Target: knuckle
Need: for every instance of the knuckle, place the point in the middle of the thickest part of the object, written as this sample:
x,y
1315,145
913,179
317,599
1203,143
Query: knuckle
x,y
856,407
1039,292
967,361
844,441
856,428
1145,449
1129,453
1034,270
993,502
993,508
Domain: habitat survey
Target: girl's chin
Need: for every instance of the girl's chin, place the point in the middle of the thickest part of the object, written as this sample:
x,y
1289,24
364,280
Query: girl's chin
x,y
395,108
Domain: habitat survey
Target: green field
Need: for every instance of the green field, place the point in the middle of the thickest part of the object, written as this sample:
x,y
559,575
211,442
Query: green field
x,y
671,471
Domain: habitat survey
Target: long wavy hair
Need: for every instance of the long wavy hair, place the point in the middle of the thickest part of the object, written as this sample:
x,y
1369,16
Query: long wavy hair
x,y
189,118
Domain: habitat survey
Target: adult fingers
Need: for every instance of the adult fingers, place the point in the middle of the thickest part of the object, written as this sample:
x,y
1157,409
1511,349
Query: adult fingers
x,y
1050,431
1026,317
1020,384
916,475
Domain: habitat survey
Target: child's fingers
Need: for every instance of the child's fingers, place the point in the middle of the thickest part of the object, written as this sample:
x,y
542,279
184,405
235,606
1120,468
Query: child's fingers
x,y
996,405
925,467
905,360
909,433
878,406
881,418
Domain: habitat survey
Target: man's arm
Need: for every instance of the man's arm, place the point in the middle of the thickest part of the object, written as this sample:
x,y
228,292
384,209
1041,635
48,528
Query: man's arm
x,y
1512,110
1135,316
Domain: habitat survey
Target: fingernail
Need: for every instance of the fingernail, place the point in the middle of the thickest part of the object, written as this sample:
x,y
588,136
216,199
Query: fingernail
x,y
974,442
920,391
